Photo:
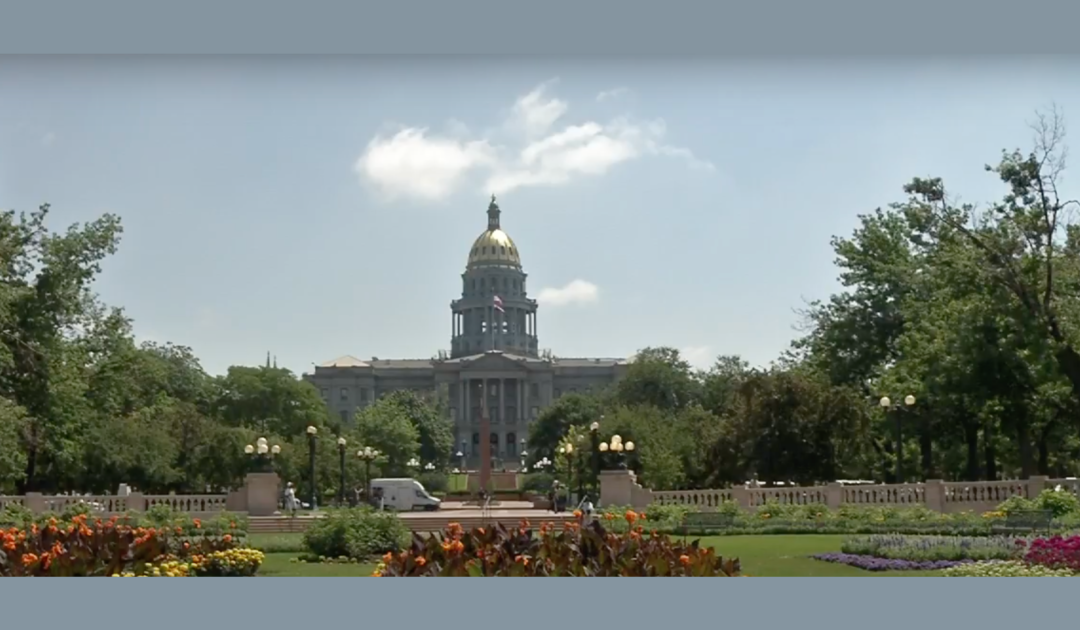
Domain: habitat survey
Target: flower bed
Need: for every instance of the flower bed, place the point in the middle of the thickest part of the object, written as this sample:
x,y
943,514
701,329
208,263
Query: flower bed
x,y
571,550
1004,568
1055,552
111,547
932,548
872,563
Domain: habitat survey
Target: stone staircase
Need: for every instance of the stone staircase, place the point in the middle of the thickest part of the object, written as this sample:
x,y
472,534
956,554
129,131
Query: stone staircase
x,y
419,522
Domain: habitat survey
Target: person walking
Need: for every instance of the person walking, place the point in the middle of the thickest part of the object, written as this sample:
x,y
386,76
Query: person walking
x,y
291,504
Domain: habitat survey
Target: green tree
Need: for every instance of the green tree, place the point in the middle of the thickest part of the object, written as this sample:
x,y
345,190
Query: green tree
x,y
386,426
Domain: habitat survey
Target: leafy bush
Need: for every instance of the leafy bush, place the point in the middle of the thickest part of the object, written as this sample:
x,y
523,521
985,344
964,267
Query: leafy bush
x,y
360,533
1016,504
538,483
15,515
573,550
1004,568
848,519
1059,502
933,548
435,482
81,548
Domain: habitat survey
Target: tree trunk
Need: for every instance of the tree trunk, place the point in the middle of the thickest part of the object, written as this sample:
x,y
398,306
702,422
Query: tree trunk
x,y
1069,361
926,450
1023,441
1044,451
990,453
971,436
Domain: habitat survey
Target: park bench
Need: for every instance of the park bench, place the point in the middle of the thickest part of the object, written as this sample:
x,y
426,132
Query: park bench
x,y
706,521
1026,521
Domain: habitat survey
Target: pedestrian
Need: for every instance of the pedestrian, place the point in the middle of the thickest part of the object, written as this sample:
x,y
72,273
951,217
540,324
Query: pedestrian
x,y
290,498
587,509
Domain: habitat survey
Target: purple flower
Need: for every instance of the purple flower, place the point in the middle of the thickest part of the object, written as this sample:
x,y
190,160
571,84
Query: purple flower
x,y
870,563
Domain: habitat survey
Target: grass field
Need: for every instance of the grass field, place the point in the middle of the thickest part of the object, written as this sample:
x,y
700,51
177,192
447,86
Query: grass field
x,y
762,556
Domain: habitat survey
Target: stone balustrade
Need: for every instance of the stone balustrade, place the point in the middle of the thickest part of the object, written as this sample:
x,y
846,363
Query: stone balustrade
x,y
618,487
258,497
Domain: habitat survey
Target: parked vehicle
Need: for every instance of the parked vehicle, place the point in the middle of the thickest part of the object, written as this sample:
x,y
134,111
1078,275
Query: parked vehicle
x,y
404,495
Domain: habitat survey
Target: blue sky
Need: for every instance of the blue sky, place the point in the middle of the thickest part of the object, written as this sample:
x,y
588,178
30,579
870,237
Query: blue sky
x,y
316,207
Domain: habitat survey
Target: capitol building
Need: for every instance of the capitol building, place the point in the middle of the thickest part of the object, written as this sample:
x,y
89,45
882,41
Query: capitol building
x,y
494,347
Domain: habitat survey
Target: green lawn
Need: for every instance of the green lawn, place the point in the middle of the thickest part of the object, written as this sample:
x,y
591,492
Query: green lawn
x,y
765,556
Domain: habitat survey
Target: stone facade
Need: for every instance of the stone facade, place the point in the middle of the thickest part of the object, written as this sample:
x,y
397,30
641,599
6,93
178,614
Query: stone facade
x,y
492,350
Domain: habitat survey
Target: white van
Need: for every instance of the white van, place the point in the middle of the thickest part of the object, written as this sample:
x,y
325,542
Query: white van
x,y
404,495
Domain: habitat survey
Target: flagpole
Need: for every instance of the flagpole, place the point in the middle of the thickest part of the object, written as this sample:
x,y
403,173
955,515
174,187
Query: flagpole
x,y
492,326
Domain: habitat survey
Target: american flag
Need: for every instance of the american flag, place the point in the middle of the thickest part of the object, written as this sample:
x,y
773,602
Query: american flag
x,y
498,304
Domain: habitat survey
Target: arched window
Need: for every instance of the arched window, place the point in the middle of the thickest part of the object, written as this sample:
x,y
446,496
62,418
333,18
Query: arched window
x,y
511,444
476,439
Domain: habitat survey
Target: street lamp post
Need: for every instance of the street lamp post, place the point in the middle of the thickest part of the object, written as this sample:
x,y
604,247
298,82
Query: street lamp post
x,y
263,454
341,482
367,455
888,406
461,455
594,438
312,433
620,448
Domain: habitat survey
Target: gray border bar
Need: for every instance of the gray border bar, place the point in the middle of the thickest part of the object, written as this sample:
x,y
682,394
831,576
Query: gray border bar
x,y
561,27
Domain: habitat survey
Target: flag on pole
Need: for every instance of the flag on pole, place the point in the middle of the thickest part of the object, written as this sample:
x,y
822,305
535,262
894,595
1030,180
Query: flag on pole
x,y
498,304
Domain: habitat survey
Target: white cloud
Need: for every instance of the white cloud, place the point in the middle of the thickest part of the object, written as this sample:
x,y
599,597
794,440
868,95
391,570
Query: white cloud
x,y
410,163
610,95
532,150
699,357
575,292
48,139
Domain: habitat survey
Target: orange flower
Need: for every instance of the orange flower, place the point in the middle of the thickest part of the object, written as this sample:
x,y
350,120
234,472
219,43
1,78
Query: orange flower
x,y
198,523
684,559
179,530
630,516
522,560
29,558
421,560
642,516
457,546
577,514
52,522
480,530
388,558
232,525
525,523
479,553
186,545
227,538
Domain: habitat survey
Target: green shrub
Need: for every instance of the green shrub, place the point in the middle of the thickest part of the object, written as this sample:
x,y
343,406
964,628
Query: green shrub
x,y
1016,504
1059,502
355,533
435,482
15,515
538,482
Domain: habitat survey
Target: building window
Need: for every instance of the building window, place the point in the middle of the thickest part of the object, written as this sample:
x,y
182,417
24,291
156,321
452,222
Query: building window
x,y
344,393
534,390
495,441
511,445
325,393
453,413
502,250
344,416
558,392
476,439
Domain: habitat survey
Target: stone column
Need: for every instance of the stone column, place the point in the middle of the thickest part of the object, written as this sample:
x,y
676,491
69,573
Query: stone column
x,y
834,495
467,413
934,495
262,493
502,400
1036,484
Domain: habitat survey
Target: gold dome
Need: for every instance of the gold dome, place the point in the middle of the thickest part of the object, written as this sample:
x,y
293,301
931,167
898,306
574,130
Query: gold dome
x,y
494,247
